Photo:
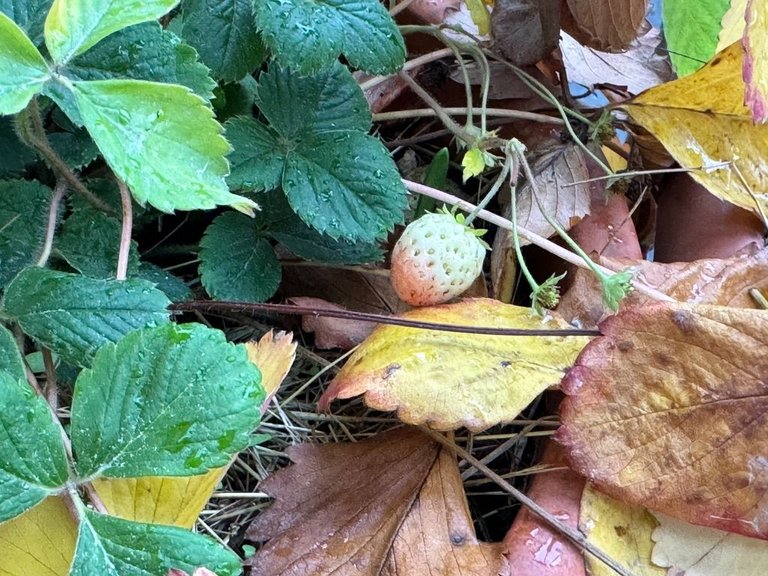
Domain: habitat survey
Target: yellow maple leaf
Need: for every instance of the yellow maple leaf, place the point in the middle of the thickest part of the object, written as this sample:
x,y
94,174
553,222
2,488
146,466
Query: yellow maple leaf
x,y
703,123
40,542
448,379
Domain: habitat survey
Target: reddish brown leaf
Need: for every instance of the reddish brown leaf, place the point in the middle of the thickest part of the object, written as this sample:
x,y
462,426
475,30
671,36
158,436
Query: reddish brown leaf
x,y
608,25
533,547
669,410
339,506
713,281
332,332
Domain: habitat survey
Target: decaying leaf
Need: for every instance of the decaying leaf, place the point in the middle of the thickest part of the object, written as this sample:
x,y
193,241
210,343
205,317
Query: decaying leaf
x,y
713,281
525,31
274,354
640,67
447,379
696,551
668,409
621,531
340,505
40,542
608,25
756,59
703,123
384,506
159,500
329,332
533,548
556,170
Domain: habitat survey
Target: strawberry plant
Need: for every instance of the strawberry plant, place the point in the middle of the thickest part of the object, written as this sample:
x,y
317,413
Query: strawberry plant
x,y
116,115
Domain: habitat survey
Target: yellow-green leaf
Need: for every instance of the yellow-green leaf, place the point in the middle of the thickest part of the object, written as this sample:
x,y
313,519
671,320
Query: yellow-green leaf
x,y
73,26
480,16
448,379
22,67
473,163
159,500
40,542
621,531
703,123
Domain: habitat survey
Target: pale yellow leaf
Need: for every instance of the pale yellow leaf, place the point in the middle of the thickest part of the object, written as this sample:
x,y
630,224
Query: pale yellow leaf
x,y
698,551
274,355
702,121
158,499
732,25
449,379
756,59
621,531
40,542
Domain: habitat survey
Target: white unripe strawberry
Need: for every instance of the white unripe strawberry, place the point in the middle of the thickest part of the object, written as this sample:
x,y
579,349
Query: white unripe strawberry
x,y
436,259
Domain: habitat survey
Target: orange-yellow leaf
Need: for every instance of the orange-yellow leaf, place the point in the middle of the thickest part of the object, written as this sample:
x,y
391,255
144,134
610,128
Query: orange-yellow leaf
x,y
40,542
621,531
756,59
702,121
669,410
157,499
274,355
447,379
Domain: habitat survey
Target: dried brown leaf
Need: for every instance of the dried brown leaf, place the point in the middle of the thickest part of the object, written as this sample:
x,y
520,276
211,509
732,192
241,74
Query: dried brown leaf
x,y
669,410
341,333
525,31
608,25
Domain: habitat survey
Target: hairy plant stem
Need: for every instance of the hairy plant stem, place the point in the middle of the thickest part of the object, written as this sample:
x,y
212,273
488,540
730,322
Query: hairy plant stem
x,y
572,534
32,132
492,192
125,231
410,65
458,111
53,212
532,237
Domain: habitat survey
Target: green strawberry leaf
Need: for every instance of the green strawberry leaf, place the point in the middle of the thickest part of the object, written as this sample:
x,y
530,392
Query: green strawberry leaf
x,y
73,26
310,34
76,148
691,30
11,361
110,546
172,286
23,221
175,400
235,98
34,463
225,36
144,52
22,67
160,139
236,262
16,155
337,178
74,315
29,15
89,242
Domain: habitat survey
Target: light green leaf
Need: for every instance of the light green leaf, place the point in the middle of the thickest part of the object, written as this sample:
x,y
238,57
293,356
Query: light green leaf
x,y
144,52
225,36
73,26
691,30
22,67
33,463
11,361
160,139
311,34
176,400
236,262
89,242
110,546
29,15
74,315
23,221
